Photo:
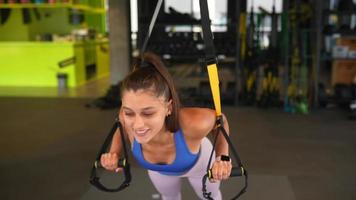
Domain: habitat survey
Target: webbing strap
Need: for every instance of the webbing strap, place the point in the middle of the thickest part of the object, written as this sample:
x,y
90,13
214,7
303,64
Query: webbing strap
x,y
214,86
94,179
152,24
207,34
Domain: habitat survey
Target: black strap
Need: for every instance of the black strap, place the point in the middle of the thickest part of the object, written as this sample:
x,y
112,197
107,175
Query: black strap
x,y
94,179
207,34
150,28
211,59
236,171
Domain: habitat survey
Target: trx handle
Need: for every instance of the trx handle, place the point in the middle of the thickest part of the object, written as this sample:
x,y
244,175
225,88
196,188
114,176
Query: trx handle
x,y
235,171
123,162
95,181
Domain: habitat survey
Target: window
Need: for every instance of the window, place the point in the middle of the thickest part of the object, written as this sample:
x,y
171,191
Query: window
x,y
217,13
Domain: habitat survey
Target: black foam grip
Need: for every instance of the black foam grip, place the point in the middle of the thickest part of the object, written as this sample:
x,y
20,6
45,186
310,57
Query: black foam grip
x,y
120,163
235,171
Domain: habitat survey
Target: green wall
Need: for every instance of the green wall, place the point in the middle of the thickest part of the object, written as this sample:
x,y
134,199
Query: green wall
x,y
24,62
34,63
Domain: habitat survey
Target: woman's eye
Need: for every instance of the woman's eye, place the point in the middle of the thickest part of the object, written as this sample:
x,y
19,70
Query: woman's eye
x,y
147,114
129,114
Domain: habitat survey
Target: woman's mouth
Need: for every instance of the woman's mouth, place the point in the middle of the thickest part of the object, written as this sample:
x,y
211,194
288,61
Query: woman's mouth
x,y
141,133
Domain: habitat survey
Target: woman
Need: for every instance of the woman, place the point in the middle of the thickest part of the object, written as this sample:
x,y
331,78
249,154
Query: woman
x,y
167,140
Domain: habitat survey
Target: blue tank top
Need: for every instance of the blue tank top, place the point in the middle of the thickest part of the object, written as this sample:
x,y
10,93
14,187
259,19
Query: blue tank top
x,y
184,159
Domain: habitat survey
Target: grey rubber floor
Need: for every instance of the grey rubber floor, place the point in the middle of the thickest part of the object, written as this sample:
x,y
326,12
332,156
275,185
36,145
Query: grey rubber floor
x,y
47,147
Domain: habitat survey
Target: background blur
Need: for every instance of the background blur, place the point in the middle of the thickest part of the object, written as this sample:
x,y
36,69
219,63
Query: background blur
x,y
287,72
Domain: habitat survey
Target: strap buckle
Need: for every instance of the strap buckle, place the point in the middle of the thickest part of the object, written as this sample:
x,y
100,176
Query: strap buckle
x,y
219,121
211,60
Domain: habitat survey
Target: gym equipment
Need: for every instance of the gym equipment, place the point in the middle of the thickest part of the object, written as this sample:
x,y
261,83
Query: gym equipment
x,y
250,63
211,62
94,179
297,93
270,82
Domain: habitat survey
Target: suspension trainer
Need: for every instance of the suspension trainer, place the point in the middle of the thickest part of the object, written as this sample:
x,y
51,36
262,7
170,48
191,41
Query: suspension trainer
x,y
94,179
211,61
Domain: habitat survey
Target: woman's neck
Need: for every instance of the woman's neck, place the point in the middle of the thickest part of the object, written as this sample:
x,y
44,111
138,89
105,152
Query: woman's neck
x,y
163,137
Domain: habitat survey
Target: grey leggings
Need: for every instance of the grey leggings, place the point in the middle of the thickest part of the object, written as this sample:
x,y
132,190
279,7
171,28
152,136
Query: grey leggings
x,y
169,186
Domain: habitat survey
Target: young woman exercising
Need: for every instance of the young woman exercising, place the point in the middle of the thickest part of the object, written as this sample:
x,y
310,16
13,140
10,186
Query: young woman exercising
x,y
167,140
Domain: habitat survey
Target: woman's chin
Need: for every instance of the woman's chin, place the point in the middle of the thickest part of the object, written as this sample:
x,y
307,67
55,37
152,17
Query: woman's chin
x,y
141,138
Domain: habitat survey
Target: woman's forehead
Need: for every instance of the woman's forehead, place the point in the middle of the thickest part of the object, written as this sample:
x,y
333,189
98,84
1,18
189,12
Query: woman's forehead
x,y
141,98
143,93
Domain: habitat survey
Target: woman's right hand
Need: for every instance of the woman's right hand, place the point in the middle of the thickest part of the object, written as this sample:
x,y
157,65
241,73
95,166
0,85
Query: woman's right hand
x,y
110,162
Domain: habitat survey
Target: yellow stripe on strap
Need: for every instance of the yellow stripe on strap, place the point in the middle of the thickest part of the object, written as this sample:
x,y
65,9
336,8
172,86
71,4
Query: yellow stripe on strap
x,y
214,85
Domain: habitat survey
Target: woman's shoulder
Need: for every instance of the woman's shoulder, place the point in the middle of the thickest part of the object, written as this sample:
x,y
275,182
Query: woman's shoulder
x,y
197,122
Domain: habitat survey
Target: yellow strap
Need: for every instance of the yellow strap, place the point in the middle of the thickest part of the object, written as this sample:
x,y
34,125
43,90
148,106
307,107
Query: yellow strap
x,y
214,85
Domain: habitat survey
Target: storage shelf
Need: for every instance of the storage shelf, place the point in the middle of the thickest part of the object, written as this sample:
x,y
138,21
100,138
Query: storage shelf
x,y
336,12
346,33
333,59
56,5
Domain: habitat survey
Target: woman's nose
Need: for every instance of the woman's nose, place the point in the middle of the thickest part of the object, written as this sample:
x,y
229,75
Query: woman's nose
x,y
138,123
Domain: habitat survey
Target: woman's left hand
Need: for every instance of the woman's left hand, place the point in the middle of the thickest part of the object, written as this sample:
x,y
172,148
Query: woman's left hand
x,y
221,170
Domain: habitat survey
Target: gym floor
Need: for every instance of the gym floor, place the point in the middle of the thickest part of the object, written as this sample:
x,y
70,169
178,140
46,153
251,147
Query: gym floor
x,y
48,145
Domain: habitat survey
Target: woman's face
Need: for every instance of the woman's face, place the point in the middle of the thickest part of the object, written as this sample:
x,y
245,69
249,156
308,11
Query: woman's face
x,y
144,114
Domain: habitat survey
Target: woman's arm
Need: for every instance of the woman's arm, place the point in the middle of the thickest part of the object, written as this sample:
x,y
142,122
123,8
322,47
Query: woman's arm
x,y
199,122
116,143
110,160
